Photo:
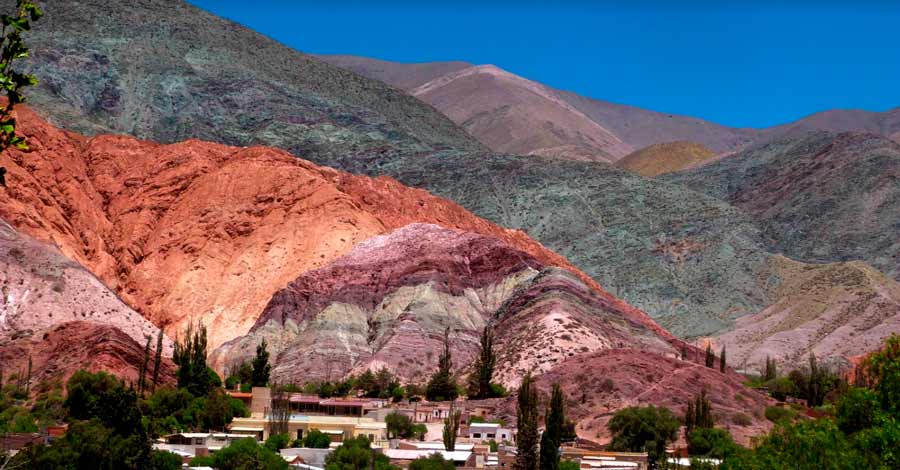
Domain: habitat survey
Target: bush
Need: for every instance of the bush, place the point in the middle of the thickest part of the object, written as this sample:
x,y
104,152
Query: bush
x,y
711,442
741,419
777,414
643,429
781,388
434,461
317,440
857,410
277,442
246,454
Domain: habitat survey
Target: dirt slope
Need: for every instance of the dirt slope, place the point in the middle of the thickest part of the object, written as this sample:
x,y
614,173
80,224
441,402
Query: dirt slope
x,y
665,158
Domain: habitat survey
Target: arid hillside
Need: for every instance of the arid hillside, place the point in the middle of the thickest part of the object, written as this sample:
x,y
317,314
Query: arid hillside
x,y
665,158
837,311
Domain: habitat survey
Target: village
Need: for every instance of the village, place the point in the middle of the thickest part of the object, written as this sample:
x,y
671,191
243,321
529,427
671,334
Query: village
x,y
481,442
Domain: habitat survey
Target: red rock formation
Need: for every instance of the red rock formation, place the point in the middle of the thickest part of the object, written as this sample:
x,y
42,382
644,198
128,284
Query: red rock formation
x,y
65,348
202,231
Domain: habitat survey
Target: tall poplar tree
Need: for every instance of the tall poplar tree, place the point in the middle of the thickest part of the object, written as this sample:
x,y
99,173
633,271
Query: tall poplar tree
x,y
442,385
527,422
552,436
480,382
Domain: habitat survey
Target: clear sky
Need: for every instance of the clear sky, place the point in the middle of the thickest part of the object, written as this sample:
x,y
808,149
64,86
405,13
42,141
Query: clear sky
x,y
743,64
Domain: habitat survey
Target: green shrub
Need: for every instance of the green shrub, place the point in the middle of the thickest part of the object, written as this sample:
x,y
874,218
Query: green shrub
x,y
777,414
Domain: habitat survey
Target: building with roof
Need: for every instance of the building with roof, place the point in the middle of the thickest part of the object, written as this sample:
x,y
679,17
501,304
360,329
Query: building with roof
x,y
484,432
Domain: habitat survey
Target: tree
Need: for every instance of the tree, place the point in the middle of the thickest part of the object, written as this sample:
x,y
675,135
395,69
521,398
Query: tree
x,y
442,385
710,357
711,442
279,411
12,82
434,461
781,388
246,454
261,367
722,360
771,369
276,442
399,426
142,372
355,454
190,357
881,371
527,419
316,439
480,380
157,359
816,387
28,378
857,410
684,352
643,429
551,439
451,428
103,397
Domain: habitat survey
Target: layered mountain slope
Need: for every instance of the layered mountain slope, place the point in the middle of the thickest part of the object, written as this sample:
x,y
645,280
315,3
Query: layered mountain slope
x,y
389,301
41,289
823,197
665,158
691,261
203,231
513,115
65,348
600,383
837,311
119,68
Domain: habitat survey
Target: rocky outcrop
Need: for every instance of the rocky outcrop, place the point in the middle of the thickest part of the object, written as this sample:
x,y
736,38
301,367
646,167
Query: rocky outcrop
x,y
42,289
837,311
824,197
65,348
665,158
205,232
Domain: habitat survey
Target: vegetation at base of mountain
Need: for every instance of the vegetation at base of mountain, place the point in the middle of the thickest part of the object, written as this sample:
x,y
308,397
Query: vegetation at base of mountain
x,y
356,453
259,374
714,443
190,357
643,429
863,433
276,442
480,385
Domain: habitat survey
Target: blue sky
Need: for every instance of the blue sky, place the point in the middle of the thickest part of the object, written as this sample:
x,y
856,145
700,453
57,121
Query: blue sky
x,y
743,64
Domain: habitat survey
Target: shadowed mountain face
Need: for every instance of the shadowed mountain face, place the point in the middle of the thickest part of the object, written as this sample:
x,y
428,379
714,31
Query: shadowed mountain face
x,y
824,197
164,70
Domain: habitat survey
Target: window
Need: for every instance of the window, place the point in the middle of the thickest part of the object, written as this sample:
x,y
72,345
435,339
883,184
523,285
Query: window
x,y
490,436
476,435
299,434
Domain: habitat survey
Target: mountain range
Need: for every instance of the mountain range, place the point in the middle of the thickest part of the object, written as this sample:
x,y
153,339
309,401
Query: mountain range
x,y
352,211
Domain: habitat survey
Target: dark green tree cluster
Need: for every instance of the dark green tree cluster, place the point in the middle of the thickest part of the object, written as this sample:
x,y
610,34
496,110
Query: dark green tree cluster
x,y
400,426
442,385
240,375
148,380
382,384
432,462
356,454
261,368
242,454
106,431
643,429
698,414
190,357
314,439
